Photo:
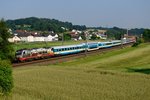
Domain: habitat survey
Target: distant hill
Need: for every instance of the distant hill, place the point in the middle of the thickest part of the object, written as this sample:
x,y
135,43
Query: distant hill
x,y
42,24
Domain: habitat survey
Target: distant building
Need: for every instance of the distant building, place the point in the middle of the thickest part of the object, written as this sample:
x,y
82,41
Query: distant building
x,y
23,36
14,38
51,37
102,34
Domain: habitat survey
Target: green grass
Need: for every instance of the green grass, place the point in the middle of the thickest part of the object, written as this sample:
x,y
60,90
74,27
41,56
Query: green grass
x,y
122,59
118,75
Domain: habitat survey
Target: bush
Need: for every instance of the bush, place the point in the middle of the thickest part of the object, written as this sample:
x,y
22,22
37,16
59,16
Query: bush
x,y
139,41
6,79
135,44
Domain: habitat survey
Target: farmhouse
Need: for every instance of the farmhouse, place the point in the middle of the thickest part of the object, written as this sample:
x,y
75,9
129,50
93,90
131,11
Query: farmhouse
x,y
14,38
23,36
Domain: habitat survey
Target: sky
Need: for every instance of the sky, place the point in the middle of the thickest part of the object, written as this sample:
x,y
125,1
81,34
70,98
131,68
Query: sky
x,y
92,13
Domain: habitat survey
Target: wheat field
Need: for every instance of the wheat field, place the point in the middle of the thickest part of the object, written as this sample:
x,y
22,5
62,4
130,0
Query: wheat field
x,y
122,74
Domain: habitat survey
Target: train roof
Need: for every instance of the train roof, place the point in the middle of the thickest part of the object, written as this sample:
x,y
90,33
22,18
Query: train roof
x,y
92,42
111,41
68,46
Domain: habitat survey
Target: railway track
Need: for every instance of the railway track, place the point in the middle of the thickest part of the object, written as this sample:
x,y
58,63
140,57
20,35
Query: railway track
x,y
59,59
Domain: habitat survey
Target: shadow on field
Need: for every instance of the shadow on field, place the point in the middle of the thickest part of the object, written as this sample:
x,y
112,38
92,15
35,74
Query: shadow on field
x,y
101,72
143,70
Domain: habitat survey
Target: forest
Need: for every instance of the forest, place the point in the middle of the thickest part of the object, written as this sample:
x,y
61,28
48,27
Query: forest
x,y
42,24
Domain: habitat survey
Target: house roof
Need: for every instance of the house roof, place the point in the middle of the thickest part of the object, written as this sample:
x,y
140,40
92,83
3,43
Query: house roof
x,y
23,34
52,34
36,35
74,35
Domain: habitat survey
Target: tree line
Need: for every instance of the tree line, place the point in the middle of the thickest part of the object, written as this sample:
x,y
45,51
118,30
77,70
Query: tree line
x,y
42,24
117,33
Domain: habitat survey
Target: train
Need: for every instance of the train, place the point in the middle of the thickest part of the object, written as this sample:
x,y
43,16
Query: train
x,y
24,55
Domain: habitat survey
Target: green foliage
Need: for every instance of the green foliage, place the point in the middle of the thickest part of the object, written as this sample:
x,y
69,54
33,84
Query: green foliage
x,y
6,80
93,37
67,36
78,27
115,30
135,44
6,50
6,53
146,35
42,24
115,33
136,31
138,42
83,36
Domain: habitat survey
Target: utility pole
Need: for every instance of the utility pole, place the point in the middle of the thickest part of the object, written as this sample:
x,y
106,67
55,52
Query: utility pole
x,y
127,32
62,38
121,41
85,34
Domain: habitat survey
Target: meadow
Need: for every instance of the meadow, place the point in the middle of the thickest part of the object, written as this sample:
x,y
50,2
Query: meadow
x,y
122,74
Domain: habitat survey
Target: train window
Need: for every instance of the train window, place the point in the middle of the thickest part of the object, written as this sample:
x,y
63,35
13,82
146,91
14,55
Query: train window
x,y
53,49
108,43
18,52
23,52
100,44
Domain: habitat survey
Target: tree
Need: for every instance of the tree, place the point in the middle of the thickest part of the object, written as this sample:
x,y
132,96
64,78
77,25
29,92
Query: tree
x,y
83,36
146,35
6,54
6,79
6,50
67,36
93,37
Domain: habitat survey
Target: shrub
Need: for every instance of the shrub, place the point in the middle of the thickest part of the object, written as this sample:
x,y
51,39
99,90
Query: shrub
x,y
6,79
139,41
135,44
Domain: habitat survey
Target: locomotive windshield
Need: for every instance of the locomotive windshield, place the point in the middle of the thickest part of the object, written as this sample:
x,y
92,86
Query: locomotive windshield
x,y
19,52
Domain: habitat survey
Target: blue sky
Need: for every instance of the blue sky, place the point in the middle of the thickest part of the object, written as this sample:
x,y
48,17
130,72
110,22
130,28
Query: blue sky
x,y
106,13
